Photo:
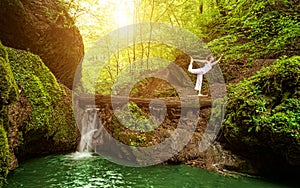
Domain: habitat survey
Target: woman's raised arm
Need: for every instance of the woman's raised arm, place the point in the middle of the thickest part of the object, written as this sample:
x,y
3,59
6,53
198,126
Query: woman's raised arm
x,y
200,61
217,60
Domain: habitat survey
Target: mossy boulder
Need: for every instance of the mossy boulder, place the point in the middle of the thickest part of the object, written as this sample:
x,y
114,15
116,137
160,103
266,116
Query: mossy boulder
x,y
44,28
8,86
50,127
8,94
4,154
262,120
36,115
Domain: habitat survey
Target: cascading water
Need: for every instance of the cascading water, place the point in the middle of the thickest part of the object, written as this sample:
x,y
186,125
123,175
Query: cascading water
x,y
89,126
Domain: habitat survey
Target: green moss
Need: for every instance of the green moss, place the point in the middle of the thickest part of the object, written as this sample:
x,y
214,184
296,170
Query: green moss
x,y
8,94
8,86
134,118
51,116
252,29
4,154
49,112
263,111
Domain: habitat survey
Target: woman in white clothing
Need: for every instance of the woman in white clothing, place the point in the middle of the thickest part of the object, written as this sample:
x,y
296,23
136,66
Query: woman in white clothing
x,y
209,62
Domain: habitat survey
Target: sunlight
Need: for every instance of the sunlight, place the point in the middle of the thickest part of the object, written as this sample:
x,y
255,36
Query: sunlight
x,y
122,12
122,18
123,15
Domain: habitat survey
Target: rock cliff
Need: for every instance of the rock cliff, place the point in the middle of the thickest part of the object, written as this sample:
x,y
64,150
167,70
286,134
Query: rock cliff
x,y
43,28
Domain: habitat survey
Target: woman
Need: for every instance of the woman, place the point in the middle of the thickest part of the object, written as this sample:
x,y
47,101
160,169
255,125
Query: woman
x,y
209,62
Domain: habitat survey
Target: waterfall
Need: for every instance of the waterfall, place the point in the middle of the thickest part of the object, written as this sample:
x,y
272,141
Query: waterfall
x,y
89,126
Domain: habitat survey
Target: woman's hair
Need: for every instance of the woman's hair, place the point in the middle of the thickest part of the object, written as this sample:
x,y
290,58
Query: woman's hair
x,y
209,57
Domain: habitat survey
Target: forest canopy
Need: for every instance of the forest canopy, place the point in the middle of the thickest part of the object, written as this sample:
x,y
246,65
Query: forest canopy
x,y
244,30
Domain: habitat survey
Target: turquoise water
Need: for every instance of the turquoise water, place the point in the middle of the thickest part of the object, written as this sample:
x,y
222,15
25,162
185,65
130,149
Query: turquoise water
x,y
93,171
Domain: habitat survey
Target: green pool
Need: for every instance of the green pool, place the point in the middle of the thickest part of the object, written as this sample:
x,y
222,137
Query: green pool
x,y
86,171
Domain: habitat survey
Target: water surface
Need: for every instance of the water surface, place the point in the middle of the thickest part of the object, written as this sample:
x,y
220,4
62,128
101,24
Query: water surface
x,y
78,170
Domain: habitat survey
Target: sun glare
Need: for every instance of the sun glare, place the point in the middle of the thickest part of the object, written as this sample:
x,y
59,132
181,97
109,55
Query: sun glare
x,y
123,14
123,11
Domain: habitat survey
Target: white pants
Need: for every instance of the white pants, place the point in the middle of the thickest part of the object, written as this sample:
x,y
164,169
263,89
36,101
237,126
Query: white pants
x,y
199,82
200,72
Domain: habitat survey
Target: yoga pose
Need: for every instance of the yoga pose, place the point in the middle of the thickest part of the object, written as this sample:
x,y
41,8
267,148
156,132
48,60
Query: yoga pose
x,y
209,62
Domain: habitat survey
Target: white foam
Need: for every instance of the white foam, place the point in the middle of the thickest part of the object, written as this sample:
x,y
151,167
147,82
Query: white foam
x,y
80,155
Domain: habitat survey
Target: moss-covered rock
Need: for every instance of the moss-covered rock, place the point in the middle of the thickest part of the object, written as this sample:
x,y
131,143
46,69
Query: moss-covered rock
x,y
41,120
51,126
8,86
8,93
262,120
4,154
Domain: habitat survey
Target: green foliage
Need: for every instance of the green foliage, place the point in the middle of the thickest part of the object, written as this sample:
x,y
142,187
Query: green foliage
x,y
126,67
284,118
49,113
182,13
245,29
135,129
96,19
136,119
8,87
266,106
4,154
253,29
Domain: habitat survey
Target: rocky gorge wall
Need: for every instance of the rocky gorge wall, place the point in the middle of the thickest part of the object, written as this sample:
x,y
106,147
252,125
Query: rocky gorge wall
x,y
44,28
36,116
262,120
36,111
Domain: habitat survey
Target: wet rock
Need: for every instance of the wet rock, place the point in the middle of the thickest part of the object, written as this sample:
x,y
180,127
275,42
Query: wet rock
x,y
18,113
219,159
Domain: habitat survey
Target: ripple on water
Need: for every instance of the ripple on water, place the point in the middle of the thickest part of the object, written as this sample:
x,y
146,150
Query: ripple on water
x,y
85,169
